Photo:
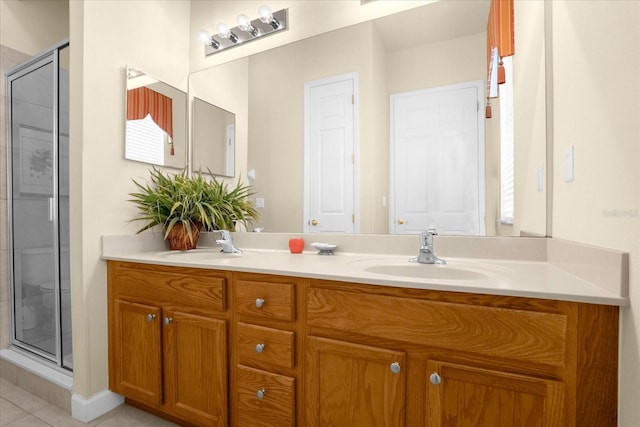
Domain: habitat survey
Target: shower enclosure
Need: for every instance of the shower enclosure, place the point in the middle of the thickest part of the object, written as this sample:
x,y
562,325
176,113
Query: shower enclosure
x,y
38,217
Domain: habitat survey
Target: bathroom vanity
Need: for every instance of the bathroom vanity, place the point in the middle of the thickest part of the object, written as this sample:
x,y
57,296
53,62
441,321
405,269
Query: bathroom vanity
x,y
223,341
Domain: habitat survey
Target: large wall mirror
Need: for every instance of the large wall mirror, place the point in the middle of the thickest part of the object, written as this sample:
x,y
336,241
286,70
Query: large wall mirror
x,y
428,48
156,121
213,139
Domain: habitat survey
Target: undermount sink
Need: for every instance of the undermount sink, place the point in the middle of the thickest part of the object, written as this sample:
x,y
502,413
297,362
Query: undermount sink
x,y
453,270
198,254
427,271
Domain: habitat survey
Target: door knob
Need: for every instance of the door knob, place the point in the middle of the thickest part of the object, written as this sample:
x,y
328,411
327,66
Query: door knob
x,y
260,393
150,317
395,367
259,348
259,302
314,222
401,221
167,320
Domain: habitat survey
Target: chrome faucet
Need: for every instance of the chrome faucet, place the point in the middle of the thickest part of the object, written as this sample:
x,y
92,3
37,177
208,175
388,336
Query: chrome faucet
x,y
226,241
426,255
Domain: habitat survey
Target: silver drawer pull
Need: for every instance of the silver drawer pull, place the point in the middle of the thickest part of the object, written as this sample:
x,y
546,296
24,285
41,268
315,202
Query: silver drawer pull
x,y
150,317
167,320
259,348
395,367
259,302
260,393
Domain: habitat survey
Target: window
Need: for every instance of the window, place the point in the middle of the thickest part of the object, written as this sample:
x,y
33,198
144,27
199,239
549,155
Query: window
x,y
506,144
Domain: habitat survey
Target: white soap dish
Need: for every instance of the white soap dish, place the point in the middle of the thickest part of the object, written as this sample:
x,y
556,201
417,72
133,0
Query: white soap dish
x,y
324,248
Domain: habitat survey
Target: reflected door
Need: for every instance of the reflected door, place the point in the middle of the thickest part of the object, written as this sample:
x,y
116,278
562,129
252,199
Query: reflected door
x,y
329,156
436,178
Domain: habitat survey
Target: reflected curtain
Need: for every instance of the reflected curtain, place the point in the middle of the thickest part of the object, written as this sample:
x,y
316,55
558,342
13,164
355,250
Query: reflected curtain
x,y
142,101
500,43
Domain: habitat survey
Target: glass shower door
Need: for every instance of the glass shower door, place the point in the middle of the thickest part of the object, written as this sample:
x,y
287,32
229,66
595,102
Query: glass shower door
x,y
38,208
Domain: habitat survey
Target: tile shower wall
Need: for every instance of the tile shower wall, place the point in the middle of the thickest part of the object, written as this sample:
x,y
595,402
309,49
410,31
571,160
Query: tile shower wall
x,y
9,58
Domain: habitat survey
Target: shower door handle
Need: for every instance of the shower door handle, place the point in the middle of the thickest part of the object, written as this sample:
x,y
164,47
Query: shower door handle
x,y
50,208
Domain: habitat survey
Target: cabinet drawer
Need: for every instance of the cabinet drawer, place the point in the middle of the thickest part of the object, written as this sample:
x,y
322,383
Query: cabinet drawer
x,y
516,334
264,346
265,299
264,399
196,288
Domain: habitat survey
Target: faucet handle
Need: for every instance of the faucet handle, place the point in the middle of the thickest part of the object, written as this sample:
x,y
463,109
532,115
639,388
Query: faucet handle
x,y
432,231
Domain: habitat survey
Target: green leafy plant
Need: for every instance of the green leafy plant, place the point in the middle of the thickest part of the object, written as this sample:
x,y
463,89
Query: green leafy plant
x,y
193,202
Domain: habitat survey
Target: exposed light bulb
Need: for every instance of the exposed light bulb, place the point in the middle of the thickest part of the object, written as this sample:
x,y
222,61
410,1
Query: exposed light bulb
x,y
204,36
223,30
266,16
208,39
244,23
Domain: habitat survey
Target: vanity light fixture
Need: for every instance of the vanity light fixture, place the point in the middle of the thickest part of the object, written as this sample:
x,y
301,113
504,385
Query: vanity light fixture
x,y
267,23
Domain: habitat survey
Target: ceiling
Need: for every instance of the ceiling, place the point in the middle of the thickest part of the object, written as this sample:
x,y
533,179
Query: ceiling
x,y
434,22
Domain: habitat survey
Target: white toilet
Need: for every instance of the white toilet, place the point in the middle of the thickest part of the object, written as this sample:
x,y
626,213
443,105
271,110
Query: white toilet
x,y
48,300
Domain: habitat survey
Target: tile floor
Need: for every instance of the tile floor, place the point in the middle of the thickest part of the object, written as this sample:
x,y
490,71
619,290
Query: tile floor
x,y
21,409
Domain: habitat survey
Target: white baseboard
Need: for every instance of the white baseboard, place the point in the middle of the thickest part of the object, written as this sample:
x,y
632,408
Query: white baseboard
x,y
85,410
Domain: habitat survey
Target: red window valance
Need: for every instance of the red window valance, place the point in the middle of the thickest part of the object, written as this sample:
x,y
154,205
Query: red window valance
x,y
142,101
500,43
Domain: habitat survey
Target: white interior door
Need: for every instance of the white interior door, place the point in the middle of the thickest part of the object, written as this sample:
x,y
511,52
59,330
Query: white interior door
x,y
437,161
330,135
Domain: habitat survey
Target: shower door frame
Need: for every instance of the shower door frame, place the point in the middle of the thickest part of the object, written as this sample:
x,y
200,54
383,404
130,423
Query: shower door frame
x,y
51,55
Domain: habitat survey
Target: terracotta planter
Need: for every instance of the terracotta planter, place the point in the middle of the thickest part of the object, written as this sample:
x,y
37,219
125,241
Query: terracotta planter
x,y
178,237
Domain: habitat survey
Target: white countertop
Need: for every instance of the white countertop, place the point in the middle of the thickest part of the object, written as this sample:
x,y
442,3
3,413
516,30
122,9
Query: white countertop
x,y
522,278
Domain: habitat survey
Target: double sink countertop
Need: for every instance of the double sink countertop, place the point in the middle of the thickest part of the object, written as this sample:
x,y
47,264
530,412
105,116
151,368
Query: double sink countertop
x,y
523,267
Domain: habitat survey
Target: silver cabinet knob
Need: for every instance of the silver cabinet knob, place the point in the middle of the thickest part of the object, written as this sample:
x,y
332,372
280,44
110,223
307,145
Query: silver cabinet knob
x,y
259,348
435,379
395,367
150,317
259,302
260,393
167,320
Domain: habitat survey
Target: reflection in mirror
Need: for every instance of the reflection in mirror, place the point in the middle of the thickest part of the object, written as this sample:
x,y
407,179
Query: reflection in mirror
x,y
389,58
214,132
156,117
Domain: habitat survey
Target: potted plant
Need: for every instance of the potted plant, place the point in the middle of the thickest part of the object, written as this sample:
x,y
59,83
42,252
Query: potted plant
x,y
184,205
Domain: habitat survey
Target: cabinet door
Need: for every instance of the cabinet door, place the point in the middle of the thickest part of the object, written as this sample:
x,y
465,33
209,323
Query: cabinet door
x,y
462,396
137,353
353,385
196,368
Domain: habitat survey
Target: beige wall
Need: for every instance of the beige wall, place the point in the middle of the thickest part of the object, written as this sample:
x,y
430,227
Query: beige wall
x,y
235,98
105,36
30,26
529,118
596,102
276,134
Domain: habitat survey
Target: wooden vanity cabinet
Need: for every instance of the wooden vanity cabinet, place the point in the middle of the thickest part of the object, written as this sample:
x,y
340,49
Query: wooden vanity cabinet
x,y
213,348
265,354
463,360
168,340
